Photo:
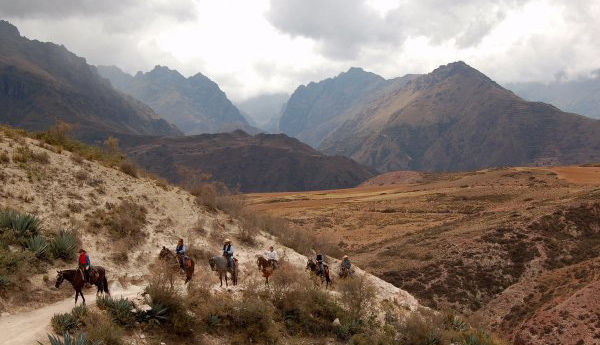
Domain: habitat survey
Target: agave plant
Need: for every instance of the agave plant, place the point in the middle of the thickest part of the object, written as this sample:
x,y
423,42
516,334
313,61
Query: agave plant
x,y
63,323
155,315
25,225
38,245
79,312
120,310
63,246
69,340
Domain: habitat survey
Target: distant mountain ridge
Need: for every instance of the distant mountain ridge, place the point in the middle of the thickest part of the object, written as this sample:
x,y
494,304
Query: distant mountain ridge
x,y
456,118
42,83
264,111
195,104
259,163
317,109
581,96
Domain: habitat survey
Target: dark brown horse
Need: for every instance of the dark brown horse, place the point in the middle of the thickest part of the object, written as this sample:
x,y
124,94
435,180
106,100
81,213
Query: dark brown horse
x,y
325,277
219,264
265,266
166,254
75,277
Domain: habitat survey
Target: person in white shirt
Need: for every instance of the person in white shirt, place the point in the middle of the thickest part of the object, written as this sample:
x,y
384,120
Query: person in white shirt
x,y
272,256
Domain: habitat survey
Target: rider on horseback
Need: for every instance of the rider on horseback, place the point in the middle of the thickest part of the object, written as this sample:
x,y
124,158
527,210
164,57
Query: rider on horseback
x,y
272,256
228,253
346,265
180,250
320,264
84,264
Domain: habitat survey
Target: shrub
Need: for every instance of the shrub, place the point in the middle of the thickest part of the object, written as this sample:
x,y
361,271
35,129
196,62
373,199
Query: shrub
x,y
156,314
4,158
69,340
38,246
64,323
119,310
357,296
101,330
79,312
64,245
128,168
160,291
125,221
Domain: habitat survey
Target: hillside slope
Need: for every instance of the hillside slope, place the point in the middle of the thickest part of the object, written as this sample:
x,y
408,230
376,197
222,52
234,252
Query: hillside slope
x,y
122,222
456,118
264,162
196,104
516,247
42,83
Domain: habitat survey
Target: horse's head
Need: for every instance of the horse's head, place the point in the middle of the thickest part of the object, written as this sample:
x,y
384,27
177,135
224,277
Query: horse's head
x,y
165,253
213,264
310,265
59,279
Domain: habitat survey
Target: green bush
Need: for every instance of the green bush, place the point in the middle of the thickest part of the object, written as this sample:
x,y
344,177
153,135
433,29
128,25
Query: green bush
x,y
38,246
64,245
5,282
119,310
69,340
79,312
178,319
23,225
64,323
155,315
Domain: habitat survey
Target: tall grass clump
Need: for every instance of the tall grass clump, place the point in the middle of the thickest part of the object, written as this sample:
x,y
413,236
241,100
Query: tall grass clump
x,y
64,245
101,330
22,224
120,310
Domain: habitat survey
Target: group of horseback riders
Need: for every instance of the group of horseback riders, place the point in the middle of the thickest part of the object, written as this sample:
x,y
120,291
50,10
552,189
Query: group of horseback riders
x,y
85,267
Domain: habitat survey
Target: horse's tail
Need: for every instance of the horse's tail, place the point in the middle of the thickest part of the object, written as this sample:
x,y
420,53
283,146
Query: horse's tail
x,y
105,283
190,271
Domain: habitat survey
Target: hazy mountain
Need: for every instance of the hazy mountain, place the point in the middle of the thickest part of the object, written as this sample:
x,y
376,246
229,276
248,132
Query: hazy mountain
x,y
195,104
456,118
41,83
578,96
264,162
264,111
317,109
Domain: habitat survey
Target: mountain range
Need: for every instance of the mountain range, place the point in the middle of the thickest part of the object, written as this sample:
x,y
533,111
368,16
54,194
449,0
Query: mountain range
x,y
42,83
195,104
263,162
454,118
580,96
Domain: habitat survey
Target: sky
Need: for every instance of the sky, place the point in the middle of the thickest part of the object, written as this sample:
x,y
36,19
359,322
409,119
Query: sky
x,y
253,47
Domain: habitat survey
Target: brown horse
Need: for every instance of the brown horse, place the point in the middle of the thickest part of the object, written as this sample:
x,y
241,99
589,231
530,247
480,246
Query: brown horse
x,y
265,266
166,254
325,277
219,264
75,277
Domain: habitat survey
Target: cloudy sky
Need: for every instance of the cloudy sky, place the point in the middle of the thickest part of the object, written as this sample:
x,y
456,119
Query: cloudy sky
x,y
252,47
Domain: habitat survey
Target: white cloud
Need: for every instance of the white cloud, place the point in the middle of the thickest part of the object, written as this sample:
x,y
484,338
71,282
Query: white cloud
x,y
257,46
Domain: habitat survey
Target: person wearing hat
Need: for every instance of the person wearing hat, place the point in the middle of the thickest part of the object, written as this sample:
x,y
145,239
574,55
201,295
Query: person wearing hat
x,y
228,252
320,262
346,265
84,264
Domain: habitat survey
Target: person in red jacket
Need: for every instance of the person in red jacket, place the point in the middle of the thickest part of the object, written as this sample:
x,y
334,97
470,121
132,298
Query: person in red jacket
x,y
84,264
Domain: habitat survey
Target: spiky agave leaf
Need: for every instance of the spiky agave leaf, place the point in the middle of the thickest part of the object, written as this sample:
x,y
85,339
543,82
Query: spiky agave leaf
x,y
38,245
64,245
25,225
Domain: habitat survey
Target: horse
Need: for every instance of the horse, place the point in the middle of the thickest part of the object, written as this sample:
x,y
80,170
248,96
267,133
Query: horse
x,y
75,277
219,264
325,277
266,266
345,272
166,254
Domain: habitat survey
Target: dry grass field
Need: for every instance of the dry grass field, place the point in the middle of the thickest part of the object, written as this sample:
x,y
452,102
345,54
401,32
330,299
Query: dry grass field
x,y
487,242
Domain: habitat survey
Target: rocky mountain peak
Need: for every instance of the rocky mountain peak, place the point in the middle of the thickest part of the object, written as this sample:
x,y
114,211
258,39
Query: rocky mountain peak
x,y
7,29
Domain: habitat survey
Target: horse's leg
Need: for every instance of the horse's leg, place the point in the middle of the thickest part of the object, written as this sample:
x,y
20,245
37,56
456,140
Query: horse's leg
x,y
226,285
83,298
221,278
76,295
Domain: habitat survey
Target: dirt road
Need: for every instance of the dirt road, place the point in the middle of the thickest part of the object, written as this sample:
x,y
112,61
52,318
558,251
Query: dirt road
x,y
32,326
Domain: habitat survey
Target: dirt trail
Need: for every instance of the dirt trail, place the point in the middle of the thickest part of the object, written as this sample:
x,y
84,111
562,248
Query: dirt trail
x,y
27,328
